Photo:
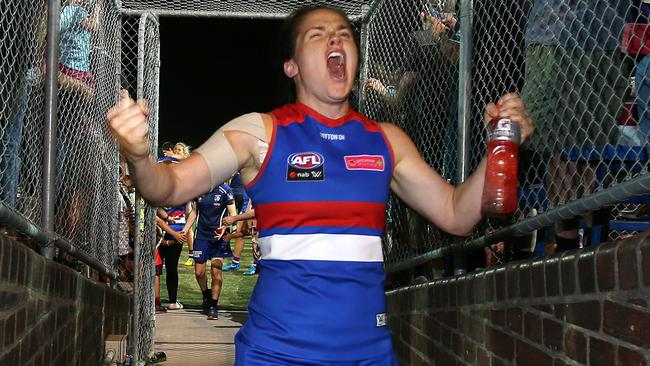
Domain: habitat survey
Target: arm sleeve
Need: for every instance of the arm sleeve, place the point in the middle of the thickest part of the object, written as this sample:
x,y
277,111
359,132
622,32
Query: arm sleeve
x,y
217,152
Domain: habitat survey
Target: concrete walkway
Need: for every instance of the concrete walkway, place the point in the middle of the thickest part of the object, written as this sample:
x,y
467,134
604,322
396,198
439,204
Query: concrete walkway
x,y
189,339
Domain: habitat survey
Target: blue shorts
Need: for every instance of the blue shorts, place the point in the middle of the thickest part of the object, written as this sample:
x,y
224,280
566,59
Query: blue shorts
x,y
210,249
248,355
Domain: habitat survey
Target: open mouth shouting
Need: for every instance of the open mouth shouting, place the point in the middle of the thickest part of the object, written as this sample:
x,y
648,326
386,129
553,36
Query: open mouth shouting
x,y
336,65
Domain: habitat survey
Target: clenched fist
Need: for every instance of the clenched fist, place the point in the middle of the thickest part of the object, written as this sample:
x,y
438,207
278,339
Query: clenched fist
x,y
129,124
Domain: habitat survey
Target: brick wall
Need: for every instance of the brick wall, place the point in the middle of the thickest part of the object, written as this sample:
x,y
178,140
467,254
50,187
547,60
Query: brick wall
x,y
50,314
587,307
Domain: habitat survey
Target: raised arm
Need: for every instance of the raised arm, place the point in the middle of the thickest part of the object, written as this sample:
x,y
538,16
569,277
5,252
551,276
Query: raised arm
x,y
221,156
455,210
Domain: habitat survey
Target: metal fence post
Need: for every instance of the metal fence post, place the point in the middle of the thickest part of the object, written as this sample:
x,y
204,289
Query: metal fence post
x,y
464,106
49,133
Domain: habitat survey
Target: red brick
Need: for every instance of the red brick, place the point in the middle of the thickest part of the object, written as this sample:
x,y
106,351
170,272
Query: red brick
x,y
628,276
606,266
21,319
533,327
512,279
601,353
515,320
444,358
628,357
645,255
586,272
5,268
575,345
497,362
470,352
482,357
458,344
627,323
500,283
490,281
568,272
552,275
531,356
498,317
560,362
538,281
553,335
584,314
525,280
10,330
499,343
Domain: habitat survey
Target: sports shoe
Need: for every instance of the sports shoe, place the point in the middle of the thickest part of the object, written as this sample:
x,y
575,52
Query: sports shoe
x,y
189,262
175,306
231,267
213,314
251,270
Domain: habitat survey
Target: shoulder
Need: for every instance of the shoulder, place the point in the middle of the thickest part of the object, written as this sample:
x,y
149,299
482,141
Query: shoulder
x,y
400,142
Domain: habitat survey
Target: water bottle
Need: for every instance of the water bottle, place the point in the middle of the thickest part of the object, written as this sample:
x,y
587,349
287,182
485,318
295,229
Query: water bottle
x,y
500,188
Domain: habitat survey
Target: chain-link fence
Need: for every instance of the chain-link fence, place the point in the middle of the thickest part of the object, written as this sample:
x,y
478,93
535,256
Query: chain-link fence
x,y
148,71
23,29
580,66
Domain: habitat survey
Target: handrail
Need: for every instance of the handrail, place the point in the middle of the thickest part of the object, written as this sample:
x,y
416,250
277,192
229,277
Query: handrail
x,y
609,196
14,220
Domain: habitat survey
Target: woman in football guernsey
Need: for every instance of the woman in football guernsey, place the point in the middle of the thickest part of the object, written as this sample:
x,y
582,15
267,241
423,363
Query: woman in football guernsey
x,y
319,299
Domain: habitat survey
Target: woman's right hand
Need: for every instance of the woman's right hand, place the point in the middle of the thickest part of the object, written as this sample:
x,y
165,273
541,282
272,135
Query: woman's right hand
x,y
128,122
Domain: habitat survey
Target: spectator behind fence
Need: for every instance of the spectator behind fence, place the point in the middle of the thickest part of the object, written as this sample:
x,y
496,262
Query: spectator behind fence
x,y
77,23
126,227
320,198
576,79
31,55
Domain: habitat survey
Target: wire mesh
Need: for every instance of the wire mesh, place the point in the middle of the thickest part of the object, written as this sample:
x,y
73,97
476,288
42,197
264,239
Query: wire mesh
x,y
412,81
148,68
87,156
581,67
238,8
23,28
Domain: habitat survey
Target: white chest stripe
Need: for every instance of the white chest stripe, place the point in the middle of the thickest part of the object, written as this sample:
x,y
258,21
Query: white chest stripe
x,y
326,247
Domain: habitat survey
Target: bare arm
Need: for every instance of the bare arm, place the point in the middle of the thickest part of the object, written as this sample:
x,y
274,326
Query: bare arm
x,y
190,214
92,22
229,220
453,209
171,184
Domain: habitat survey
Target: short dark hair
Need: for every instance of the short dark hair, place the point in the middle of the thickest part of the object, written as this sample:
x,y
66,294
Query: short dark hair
x,y
167,145
289,30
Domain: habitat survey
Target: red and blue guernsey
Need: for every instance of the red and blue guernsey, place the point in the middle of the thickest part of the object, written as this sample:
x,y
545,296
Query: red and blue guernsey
x,y
320,201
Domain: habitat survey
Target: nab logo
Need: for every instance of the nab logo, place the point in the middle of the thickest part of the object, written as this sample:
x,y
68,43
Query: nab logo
x,y
305,160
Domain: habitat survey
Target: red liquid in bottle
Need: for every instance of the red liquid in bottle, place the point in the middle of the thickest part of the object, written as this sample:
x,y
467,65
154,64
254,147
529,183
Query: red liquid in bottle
x,y
500,189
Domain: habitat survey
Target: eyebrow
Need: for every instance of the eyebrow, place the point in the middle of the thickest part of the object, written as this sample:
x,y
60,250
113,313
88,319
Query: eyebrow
x,y
322,28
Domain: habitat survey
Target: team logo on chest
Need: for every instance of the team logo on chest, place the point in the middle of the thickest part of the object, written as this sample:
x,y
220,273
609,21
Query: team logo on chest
x,y
305,166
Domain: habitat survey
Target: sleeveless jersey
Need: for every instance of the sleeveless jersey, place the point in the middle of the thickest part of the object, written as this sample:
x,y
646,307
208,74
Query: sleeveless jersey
x,y
320,201
178,215
212,209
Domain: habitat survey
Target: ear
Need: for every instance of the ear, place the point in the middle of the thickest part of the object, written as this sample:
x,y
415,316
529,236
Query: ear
x,y
290,68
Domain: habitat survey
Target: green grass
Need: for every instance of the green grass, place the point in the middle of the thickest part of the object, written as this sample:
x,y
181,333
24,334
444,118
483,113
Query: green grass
x,y
236,288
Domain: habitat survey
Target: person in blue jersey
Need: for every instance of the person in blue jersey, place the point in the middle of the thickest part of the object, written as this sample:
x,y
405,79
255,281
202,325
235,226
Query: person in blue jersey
x,y
241,203
212,207
319,298
245,226
175,221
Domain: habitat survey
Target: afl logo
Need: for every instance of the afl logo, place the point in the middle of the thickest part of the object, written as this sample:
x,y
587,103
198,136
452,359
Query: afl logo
x,y
305,160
